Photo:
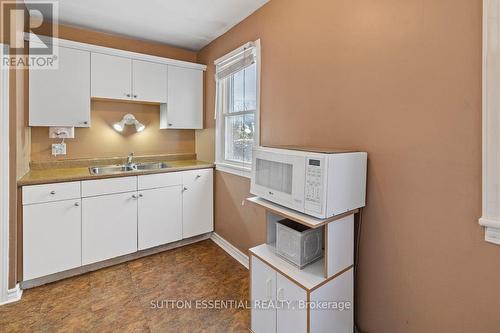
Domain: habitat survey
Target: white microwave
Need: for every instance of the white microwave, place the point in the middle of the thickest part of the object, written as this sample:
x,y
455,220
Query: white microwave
x,y
318,182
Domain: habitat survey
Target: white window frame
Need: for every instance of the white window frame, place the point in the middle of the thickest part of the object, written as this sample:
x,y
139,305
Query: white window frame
x,y
490,218
236,168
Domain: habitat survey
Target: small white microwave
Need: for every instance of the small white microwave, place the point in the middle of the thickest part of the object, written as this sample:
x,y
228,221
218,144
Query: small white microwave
x,y
318,182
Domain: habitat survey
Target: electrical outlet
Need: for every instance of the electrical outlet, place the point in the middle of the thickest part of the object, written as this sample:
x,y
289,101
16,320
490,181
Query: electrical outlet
x,y
61,132
58,149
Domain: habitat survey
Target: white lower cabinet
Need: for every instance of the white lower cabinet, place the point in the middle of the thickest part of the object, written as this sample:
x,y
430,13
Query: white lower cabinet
x,y
160,216
280,305
109,226
51,237
67,225
263,287
197,202
291,316
263,293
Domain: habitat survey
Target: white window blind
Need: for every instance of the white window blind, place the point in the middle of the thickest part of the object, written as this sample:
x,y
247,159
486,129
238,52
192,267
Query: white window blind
x,y
237,106
235,62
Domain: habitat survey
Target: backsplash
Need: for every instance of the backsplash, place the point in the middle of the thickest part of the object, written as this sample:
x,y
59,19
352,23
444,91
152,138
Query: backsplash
x,y
101,140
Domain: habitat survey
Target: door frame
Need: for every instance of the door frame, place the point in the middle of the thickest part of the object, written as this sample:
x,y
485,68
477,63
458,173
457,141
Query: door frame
x,y
4,180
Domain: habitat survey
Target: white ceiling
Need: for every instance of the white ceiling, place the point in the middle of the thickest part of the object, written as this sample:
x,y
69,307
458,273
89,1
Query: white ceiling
x,y
189,24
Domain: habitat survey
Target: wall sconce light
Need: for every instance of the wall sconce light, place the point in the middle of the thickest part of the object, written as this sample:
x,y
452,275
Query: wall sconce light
x,y
128,119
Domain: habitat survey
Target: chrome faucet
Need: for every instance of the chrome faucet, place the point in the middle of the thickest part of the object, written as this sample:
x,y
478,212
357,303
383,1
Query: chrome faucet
x,y
130,159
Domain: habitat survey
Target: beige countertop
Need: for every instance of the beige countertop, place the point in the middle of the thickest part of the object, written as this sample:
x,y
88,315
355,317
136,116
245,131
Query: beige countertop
x,y
66,174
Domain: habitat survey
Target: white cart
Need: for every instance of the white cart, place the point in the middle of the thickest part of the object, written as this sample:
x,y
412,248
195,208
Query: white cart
x,y
316,299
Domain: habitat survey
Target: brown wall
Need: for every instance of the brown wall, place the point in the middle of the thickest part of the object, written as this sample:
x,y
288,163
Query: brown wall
x,y
98,141
123,43
101,140
401,80
235,219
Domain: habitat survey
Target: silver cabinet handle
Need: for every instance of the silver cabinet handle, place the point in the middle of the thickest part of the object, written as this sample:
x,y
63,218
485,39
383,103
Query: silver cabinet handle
x,y
85,122
134,196
128,95
140,195
77,204
184,189
269,289
197,176
281,294
135,96
52,192
169,124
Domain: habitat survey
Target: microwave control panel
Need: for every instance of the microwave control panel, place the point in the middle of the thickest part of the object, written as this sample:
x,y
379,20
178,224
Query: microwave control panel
x,y
314,182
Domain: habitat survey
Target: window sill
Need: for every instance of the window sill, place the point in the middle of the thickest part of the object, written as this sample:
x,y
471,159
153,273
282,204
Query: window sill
x,y
234,169
492,230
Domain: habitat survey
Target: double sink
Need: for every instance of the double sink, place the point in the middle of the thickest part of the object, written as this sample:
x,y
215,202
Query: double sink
x,y
133,167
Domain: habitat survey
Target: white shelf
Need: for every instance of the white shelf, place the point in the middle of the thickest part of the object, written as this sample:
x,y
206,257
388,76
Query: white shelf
x,y
296,216
308,278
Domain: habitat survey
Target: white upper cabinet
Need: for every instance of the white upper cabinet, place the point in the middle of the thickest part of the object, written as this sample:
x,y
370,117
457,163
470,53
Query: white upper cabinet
x,y
116,77
184,109
61,97
149,81
111,77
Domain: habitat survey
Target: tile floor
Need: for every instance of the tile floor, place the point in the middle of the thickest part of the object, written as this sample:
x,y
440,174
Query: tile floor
x,y
123,298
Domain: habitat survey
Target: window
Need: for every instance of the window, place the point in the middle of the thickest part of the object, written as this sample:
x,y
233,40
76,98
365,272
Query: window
x,y
490,218
237,109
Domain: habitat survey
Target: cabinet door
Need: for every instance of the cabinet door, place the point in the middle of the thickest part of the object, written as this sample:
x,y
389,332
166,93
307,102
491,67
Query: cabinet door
x,y
160,216
337,317
51,238
109,226
111,77
291,318
149,81
197,202
262,293
60,97
184,107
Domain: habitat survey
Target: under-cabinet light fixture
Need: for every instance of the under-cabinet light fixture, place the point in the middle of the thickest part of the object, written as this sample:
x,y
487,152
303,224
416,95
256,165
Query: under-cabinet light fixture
x,y
128,119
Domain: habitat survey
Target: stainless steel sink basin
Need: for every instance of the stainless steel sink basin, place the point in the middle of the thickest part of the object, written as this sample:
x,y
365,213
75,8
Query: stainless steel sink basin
x,y
152,166
108,169
113,169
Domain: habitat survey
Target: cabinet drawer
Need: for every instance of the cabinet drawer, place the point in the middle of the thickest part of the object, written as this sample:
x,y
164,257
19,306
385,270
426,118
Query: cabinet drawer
x,y
50,192
159,180
196,175
92,188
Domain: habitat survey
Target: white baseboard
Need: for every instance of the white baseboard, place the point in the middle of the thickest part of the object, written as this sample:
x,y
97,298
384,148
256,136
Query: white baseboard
x,y
231,249
13,295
